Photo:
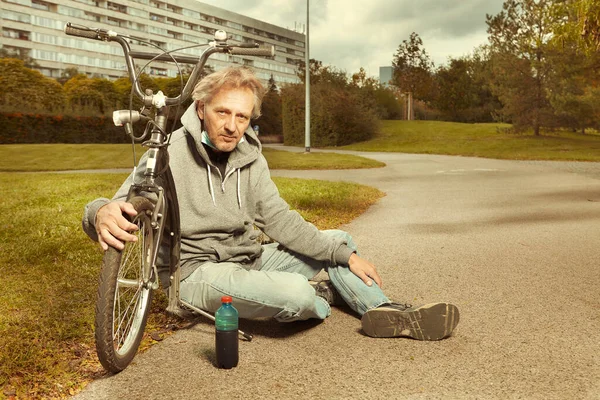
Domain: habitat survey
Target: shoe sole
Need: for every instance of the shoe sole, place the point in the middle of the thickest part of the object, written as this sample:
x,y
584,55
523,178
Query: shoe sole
x,y
433,321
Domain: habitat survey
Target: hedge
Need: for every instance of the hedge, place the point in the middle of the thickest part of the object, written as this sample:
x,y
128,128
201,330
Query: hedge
x,y
20,128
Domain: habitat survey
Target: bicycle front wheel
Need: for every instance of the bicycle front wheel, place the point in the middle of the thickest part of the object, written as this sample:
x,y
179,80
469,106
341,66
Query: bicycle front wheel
x,y
125,293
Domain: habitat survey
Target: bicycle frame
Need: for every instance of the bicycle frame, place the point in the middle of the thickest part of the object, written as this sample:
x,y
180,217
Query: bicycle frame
x,y
158,179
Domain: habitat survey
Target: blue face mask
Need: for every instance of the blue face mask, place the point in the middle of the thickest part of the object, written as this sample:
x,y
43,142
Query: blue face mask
x,y
206,140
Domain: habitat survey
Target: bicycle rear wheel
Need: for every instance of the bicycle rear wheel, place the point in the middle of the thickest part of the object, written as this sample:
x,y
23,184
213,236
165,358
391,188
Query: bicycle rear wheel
x,y
125,293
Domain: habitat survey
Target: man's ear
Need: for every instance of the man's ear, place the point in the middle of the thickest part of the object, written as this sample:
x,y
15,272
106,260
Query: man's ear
x,y
200,109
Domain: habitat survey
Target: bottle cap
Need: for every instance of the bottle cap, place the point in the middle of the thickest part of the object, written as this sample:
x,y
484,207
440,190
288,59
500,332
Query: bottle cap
x,y
226,299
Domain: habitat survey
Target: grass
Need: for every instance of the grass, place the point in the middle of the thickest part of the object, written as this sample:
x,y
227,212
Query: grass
x,y
61,157
480,140
279,159
49,271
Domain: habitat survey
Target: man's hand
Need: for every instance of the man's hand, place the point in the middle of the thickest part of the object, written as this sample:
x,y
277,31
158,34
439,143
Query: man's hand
x,y
364,270
112,227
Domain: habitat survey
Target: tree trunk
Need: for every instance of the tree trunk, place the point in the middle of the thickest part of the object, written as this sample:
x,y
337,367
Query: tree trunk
x,y
410,111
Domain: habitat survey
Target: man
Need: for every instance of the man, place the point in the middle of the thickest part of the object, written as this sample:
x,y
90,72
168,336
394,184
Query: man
x,y
224,191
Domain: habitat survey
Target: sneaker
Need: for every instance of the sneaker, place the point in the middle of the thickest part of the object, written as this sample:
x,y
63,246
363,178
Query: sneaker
x,y
432,321
326,290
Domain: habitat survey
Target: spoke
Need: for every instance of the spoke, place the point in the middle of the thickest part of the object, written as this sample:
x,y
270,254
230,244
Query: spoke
x,y
131,291
127,310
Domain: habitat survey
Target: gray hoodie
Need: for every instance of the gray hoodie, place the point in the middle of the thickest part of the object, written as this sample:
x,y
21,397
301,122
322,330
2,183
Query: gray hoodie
x,y
219,213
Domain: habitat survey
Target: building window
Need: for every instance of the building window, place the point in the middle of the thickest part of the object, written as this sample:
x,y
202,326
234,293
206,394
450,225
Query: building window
x,y
115,22
40,5
91,16
116,7
47,22
71,12
173,22
158,18
190,13
21,2
43,38
161,45
137,13
16,16
234,25
158,71
174,35
88,2
158,31
173,9
15,34
137,27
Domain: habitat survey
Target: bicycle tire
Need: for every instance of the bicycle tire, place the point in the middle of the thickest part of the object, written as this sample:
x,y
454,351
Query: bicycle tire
x,y
123,300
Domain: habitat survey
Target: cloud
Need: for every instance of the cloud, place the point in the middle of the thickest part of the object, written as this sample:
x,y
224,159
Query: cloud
x,y
350,34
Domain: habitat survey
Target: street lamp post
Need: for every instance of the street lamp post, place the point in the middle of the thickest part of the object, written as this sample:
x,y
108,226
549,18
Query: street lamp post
x,y
307,84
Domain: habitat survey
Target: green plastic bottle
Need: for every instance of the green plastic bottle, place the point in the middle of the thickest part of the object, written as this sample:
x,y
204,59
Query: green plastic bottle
x,y
226,338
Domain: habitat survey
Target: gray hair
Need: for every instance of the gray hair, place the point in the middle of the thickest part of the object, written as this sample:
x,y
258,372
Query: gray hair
x,y
230,77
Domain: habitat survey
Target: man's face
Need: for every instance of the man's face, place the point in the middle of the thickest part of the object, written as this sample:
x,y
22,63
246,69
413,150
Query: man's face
x,y
227,116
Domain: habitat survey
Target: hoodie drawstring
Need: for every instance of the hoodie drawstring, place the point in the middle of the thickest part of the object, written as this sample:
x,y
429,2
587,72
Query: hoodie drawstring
x,y
212,192
238,189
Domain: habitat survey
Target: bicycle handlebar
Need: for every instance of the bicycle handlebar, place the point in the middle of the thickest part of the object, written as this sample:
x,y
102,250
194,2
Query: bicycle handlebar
x,y
97,34
217,46
257,51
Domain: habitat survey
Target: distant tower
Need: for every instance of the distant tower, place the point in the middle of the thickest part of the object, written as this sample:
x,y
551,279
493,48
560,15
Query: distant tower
x,y
385,75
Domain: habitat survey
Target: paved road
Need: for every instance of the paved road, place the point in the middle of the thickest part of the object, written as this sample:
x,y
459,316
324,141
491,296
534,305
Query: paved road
x,y
514,244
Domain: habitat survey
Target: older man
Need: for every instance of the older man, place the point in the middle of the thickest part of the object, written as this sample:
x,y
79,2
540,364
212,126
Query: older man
x,y
224,191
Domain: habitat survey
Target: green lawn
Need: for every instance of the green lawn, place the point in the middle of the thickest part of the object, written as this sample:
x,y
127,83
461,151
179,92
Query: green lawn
x,y
480,140
49,270
61,157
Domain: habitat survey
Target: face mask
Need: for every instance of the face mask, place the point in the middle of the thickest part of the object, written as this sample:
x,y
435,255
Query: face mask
x,y
206,140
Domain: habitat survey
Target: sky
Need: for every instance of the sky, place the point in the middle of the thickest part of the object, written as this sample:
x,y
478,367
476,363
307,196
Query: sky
x,y
350,34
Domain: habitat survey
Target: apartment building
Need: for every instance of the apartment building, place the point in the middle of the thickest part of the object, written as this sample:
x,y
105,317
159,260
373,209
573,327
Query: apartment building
x,y
35,28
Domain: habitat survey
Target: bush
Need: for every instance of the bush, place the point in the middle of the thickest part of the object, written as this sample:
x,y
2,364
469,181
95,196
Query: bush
x,y
39,128
338,116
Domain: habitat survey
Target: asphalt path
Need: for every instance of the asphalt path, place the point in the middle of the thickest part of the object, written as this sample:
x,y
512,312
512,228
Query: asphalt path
x,y
514,244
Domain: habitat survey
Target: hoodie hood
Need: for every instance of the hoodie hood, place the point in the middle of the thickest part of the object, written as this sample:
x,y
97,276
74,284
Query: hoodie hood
x,y
245,153
247,150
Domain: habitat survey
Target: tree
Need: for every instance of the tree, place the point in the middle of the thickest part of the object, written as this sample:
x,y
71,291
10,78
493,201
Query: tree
x,y
464,93
19,54
379,97
322,73
270,121
413,69
578,22
24,89
339,113
573,91
67,74
521,61
95,95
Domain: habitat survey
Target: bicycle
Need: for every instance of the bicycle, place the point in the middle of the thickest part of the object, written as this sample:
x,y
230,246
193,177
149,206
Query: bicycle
x,y
129,276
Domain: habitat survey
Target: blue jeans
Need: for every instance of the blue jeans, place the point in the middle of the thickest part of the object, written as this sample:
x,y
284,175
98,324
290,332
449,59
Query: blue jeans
x,y
280,288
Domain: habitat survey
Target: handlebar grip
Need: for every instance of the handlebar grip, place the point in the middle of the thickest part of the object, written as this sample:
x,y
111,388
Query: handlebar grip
x,y
85,33
256,51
